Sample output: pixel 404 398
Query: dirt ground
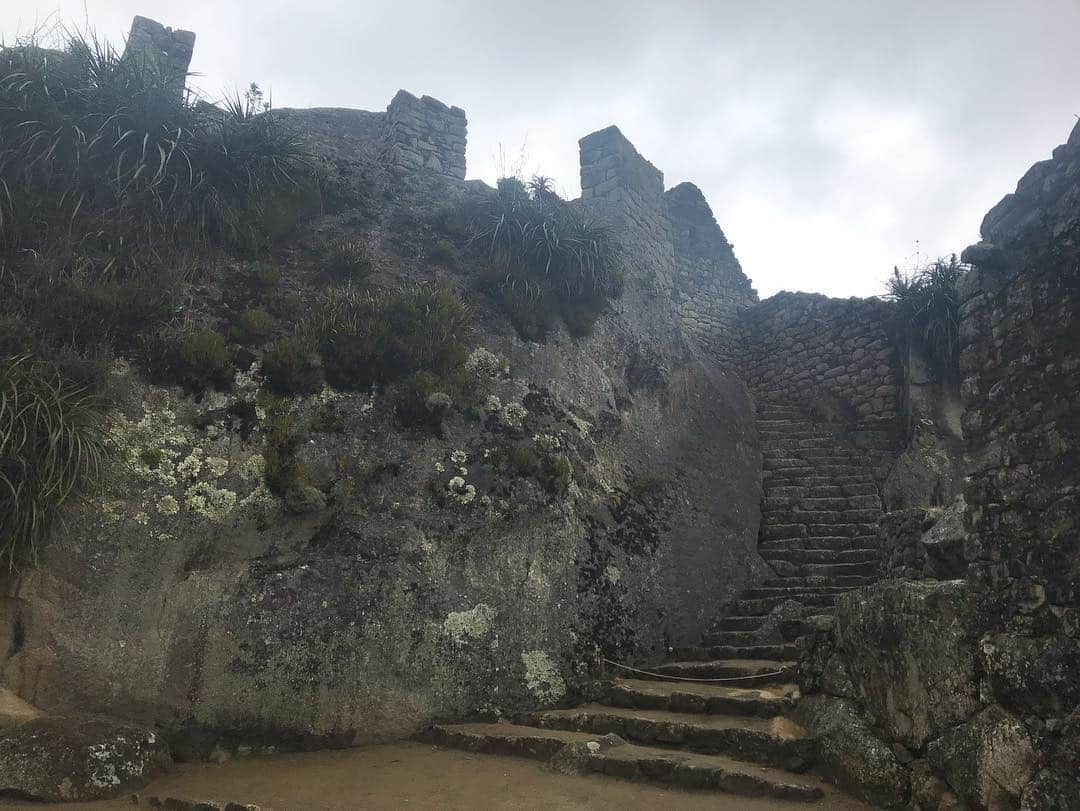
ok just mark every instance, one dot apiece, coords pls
pixel 414 775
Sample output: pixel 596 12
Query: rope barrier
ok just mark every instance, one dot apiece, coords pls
pixel 783 672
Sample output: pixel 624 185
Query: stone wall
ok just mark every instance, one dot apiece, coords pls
pixel 170 49
pixel 1020 358
pixel 620 185
pixel 424 133
pixel 710 287
pixel 966 667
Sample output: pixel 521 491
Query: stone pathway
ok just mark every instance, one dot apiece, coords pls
pixel 819 522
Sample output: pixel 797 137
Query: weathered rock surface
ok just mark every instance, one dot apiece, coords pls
pixel 910 648
pixel 987 761
pixel 57 759
pixel 851 753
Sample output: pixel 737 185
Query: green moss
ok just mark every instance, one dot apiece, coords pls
pixel 562 474
pixel 444 252
pixel 197 360
pixel 291 367
pixel 266 276
pixel 151 457
pixel 524 461
pixel 415 401
pixel 283 471
pixel 254 325
pixel 369 339
pixel 350 262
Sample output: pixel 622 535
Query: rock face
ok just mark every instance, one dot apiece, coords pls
pixel 76 759
pixel 852 754
pixel 192 597
pixel 911 650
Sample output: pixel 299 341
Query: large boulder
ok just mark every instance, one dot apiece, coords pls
pixel 911 650
pixel 64 759
pixel 851 753
pixel 987 761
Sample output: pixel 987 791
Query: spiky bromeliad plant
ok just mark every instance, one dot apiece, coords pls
pixel 547 257
pixel 52 442
pixel 928 306
pixel 105 146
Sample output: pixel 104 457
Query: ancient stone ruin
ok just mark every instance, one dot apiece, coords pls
pixel 754 547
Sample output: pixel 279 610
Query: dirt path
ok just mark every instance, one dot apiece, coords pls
pixel 413 775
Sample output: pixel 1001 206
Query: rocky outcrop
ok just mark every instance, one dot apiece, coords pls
pixel 68 759
pixel 850 752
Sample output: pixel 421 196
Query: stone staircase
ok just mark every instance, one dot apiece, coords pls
pixel 819 521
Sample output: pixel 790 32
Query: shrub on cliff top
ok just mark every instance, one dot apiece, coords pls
pixel 928 306
pixel 545 252
pixel 92 140
pixel 52 442
pixel 375 338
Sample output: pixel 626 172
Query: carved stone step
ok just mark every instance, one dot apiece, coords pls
pixel 762 702
pixel 672 767
pixel 754 650
pixel 763 605
pixel 774 741
pixel 822 555
pixel 838 542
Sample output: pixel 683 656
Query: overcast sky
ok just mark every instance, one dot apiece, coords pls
pixel 831 137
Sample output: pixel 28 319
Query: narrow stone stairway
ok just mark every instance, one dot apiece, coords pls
pixel 672 724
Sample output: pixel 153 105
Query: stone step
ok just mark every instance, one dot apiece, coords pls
pixel 761 702
pixel 803 516
pixel 854 581
pixel 833 530
pixel 815 480
pixel 773 481
pixel 721 638
pixel 794 592
pixel 840 455
pixel 630 761
pixel 740 672
pixel 822 542
pixel 871 569
pixel 763 605
pixel 788 500
pixel 794 468
pixel 821 555
pixel 776 741
pixel 729 623
pixel 751 650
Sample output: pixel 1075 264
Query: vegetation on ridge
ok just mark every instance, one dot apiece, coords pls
pixel 929 310
pixel 547 259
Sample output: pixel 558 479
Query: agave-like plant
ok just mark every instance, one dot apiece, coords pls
pixel 547 249
pixel 928 306
pixel 52 443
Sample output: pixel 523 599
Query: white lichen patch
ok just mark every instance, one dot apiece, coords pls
pixel 513 416
pixel 461 492
pixel 168 505
pixel 252 468
pixel 612 574
pixel 492 405
pixel 217 466
pixel 542 678
pixel 486 365
pixel 141 518
pixel 582 426
pixel 210 502
pixel 459 457
pixel 547 442
pixel 191 466
pixel 476 623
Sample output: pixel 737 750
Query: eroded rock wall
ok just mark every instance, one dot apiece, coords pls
pixel 191 596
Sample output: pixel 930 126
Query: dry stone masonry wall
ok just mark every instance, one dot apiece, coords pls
pixel 170 49
pixel 618 183
pixel 424 133
pixel 710 287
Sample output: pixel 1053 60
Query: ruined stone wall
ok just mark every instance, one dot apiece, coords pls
pixel 710 287
pixel 424 133
pixel 1020 358
pixel 964 670
pixel 170 49
pixel 620 185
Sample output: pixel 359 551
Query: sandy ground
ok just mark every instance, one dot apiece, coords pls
pixel 414 775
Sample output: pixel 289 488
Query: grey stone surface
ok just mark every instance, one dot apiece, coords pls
pixel 66 759
pixel 852 754
pixel 910 648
